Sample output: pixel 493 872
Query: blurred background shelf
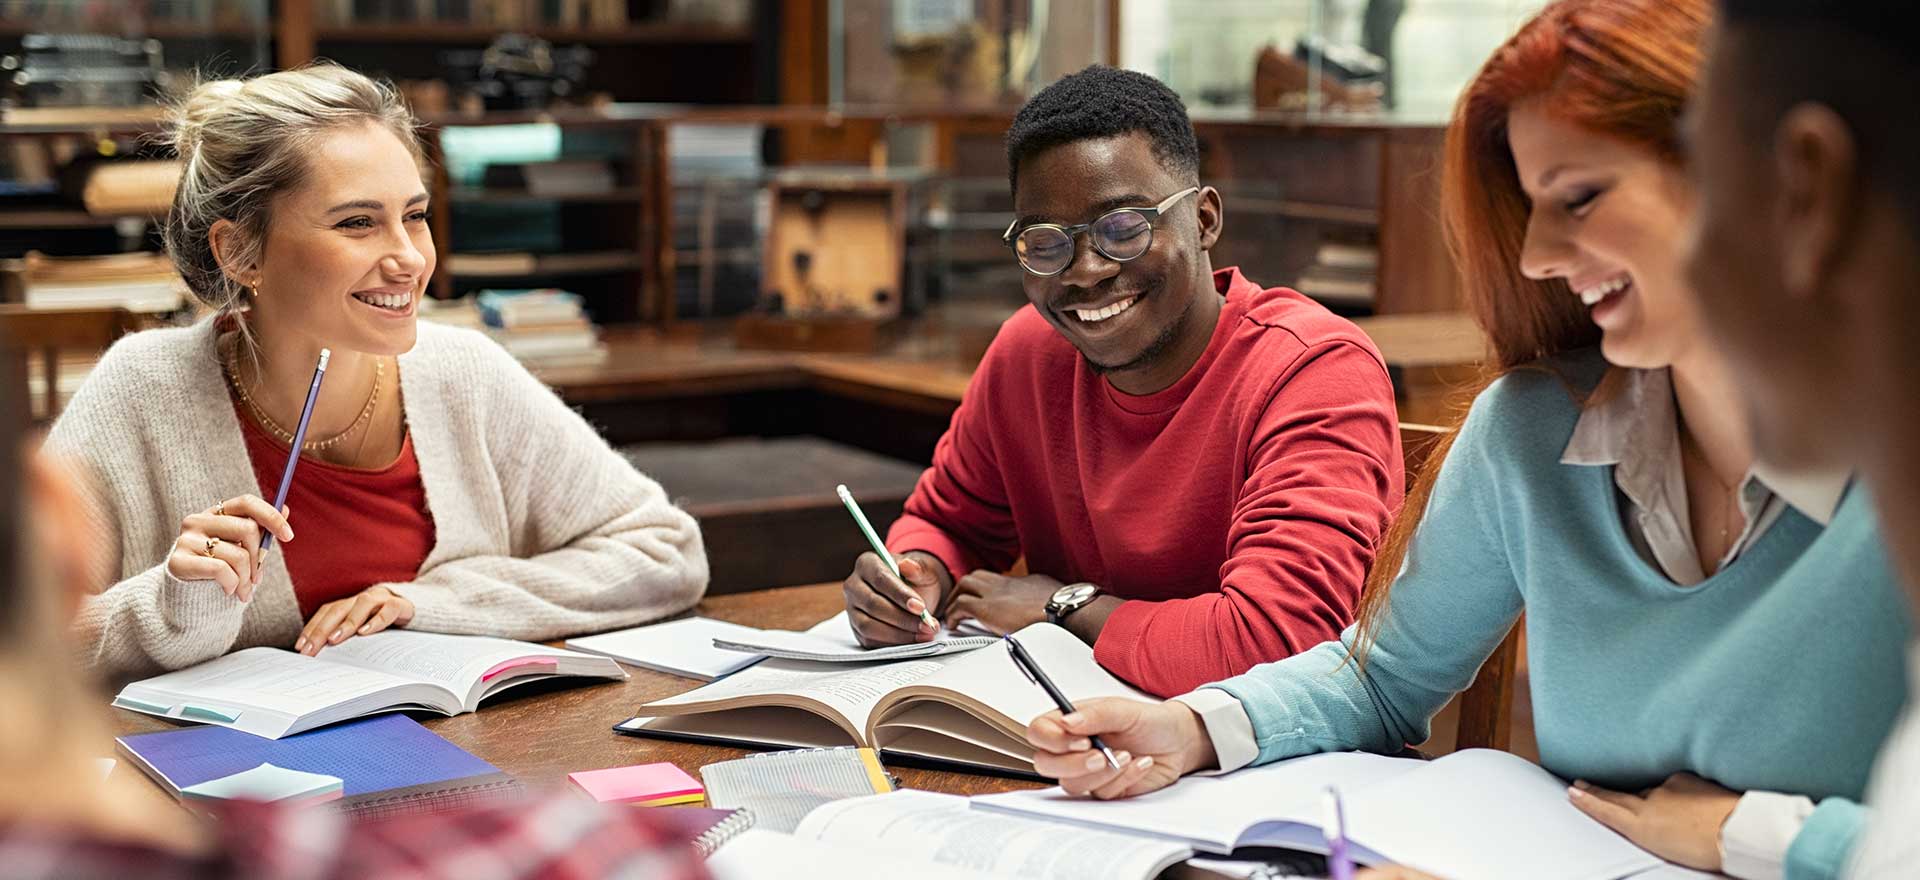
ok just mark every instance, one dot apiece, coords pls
pixel 458 32
pixel 621 195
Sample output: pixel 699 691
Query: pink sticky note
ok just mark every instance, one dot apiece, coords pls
pixel 641 782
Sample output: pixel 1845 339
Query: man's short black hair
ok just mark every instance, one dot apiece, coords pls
pixel 1104 102
pixel 1858 57
pixel 1888 22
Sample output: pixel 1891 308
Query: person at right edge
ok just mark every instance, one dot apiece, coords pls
pixel 1804 149
pixel 1715 648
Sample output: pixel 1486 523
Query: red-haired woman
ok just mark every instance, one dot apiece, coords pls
pixel 1689 618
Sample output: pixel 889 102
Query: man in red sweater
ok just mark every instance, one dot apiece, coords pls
pixel 1203 463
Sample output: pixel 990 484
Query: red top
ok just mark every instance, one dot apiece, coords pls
pixel 1238 508
pixel 352 528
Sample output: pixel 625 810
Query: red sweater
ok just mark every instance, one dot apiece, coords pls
pixel 352 528
pixel 1237 510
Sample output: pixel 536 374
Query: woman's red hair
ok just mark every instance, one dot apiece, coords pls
pixel 1621 69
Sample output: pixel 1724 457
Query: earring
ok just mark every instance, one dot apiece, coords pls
pixel 256 288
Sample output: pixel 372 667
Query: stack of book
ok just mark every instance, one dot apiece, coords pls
pixel 1342 275
pixel 545 327
pixel 137 282
pixel 719 217
pixel 452 312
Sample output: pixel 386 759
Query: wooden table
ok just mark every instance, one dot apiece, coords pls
pixel 646 363
pixel 927 371
pixel 920 372
pixel 540 733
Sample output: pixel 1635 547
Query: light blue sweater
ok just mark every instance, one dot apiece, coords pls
pixel 1782 672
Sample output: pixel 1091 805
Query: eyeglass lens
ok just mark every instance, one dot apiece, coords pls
pixel 1120 235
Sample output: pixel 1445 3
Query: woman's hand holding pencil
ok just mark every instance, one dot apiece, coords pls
pixel 222 544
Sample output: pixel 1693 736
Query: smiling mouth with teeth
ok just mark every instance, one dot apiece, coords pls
pixel 1095 316
pixel 392 302
pixel 1598 292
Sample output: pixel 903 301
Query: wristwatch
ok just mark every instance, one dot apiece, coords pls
pixel 1069 599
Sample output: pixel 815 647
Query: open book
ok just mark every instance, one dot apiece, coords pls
pixel 270 692
pixel 969 709
pixel 921 834
pixel 1477 813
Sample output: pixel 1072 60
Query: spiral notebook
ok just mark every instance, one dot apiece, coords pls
pixel 781 788
pixel 387 764
pixel 709 829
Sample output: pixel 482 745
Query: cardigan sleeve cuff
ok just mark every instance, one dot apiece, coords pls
pixel 436 608
pixel 188 604
pixel 1227 726
pixel 1820 850
pixel 1755 839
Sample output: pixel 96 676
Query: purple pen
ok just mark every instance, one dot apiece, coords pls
pixel 299 440
pixel 1333 827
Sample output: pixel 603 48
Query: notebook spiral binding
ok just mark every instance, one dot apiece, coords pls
pixel 417 802
pixel 727 829
pixel 788 753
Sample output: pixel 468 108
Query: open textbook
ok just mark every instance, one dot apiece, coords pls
pixel 1478 813
pixel 924 835
pixel 968 709
pixel 270 692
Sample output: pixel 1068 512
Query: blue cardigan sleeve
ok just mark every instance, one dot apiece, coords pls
pixel 1454 601
pixel 1820 850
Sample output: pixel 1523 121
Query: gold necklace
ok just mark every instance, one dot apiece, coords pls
pixel 284 435
pixel 1729 497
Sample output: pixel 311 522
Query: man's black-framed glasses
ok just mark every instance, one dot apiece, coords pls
pixel 1122 234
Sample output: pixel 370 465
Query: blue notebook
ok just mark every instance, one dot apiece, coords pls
pixel 386 764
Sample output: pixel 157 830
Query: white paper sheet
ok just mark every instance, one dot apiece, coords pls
pixel 942 828
pixel 678 647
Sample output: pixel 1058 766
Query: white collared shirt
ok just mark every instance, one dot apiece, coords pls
pixel 1636 432
pixel 1891 844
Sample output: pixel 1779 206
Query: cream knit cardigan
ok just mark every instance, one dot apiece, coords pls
pixel 541 529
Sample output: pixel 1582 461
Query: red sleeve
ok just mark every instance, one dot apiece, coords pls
pixel 1324 476
pixel 959 510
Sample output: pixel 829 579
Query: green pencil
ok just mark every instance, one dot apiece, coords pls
pixel 866 528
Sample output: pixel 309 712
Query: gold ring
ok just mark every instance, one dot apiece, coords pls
pixel 220 509
pixel 212 543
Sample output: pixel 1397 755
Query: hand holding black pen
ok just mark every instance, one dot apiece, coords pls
pixel 1034 674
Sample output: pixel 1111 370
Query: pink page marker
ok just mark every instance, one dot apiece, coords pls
pixel 544 664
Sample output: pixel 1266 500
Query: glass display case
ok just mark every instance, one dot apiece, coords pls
pixel 960 53
pixel 122 53
pixel 1410 57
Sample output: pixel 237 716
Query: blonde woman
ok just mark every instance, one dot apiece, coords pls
pixel 441 486
pixel 60 819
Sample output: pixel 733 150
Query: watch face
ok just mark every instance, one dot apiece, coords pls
pixel 1074 594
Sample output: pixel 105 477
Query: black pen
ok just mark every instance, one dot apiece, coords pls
pixel 1024 660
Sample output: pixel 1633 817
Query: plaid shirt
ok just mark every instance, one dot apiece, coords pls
pixel 553 838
